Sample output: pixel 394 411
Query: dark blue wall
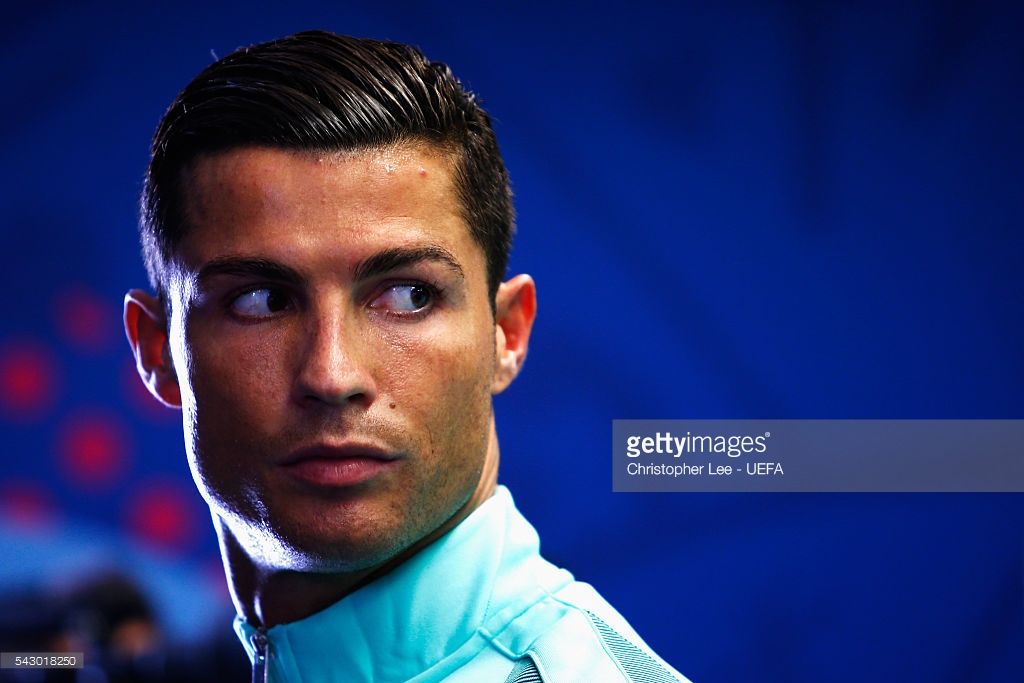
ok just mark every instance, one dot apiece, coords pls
pixel 732 210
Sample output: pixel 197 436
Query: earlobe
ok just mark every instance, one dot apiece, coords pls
pixel 515 311
pixel 146 327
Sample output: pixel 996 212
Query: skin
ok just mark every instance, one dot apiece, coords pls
pixel 323 351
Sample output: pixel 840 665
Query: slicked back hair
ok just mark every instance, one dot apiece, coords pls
pixel 321 92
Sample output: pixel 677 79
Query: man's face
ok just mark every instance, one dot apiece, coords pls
pixel 335 350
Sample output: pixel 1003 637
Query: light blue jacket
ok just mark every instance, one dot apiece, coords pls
pixel 479 605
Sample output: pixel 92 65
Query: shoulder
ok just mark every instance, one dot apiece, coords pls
pixel 575 635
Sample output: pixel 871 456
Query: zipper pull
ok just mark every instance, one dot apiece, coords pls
pixel 260 643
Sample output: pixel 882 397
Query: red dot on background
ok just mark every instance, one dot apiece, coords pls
pixel 27 504
pixel 163 515
pixel 28 379
pixel 93 450
pixel 86 320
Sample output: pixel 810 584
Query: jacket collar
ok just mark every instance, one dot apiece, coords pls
pixel 468 582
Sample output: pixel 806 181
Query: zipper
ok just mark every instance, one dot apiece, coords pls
pixel 261 645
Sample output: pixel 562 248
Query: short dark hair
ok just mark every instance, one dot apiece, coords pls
pixel 319 91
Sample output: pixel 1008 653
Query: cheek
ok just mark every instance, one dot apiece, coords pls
pixel 233 380
pixel 236 364
pixel 439 365
pixel 442 380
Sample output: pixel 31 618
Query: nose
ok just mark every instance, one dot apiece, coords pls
pixel 332 357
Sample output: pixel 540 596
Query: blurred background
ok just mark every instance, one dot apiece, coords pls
pixel 732 210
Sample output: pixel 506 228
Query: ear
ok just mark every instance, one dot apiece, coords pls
pixel 146 326
pixel 515 310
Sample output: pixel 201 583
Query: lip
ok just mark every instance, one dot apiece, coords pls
pixel 338 465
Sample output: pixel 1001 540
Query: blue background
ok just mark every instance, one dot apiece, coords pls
pixel 732 210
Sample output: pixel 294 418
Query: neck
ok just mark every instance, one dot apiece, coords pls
pixel 267 596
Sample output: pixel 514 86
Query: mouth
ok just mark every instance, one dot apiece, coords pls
pixel 338 466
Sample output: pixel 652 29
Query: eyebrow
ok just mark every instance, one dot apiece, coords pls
pixel 249 267
pixel 400 257
pixel 379 264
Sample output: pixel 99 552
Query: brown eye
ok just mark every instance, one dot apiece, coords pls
pixel 404 298
pixel 260 303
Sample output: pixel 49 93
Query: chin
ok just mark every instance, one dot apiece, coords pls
pixel 347 547
pixel 282 550
pixel 333 562
pixel 331 534
pixel 341 553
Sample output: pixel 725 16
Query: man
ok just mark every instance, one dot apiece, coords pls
pixel 326 224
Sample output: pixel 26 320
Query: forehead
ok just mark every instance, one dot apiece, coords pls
pixel 293 204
